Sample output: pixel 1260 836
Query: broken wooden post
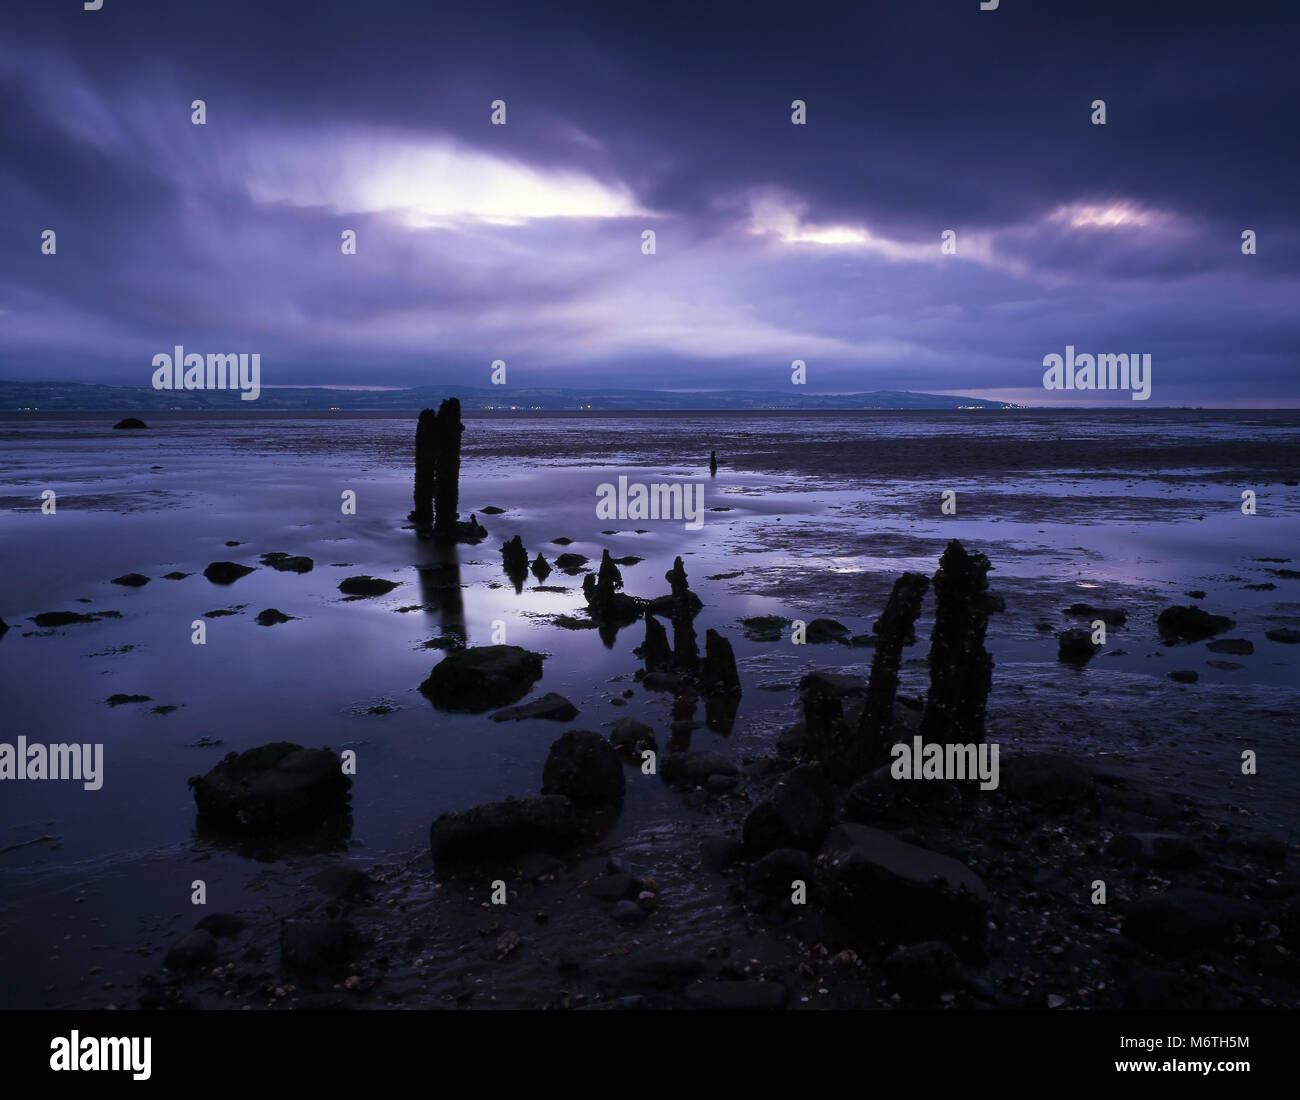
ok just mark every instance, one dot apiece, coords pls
pixel 961 669
pixel 426 463
pixel 447 429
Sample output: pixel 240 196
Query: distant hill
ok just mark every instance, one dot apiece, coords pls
pixel 78 397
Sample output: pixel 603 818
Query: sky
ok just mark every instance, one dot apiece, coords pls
pixel 773 242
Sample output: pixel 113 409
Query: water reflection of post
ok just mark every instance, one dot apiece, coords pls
pixel 440 588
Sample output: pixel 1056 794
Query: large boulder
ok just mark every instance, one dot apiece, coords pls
pixel 886 888
pixel 272 789
pixel 584 767
pixel 795 815
pixel 547 823
pixel 482 677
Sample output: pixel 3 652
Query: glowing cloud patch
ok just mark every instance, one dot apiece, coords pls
pixel 429 184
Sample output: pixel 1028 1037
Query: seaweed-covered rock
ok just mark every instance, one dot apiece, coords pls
pixel 546 823
pixel 631 737
pixel 481 677
pixel 551 706
pixel 272 616
pixel 226 572
pixel 288 563
pixel 822 631
pixel 1074 647
pixel 277 787
pixel 1190 624
pixel 366 586
pixel 585 768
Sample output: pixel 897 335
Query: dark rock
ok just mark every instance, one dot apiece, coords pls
pixel 795 815
pixel 1111 616
pixel 1074 647
pixel 547 823
pixel 919 972
pixel 342 881
pixel 271 616
pixel 1190 624
pixel 481 677
pixel 631 737
pixel 221 924
pixel 175 575
pixel 1283 634
pixel 736 996
pixel 692 769
pixel 553 707
pixel 765 628
pixel 1046 779
pixel 366 586
pixel 584 767
pixel 191 952
pixel 129 424
pixel 541 569
pixel 288 563
pixel 131 580
pixel 317 947
pixel 570 563
pixel 1185 920
pixel 880 799
pixel 226 572
pixel 118 698
pixel 776 872
pixel 821 631
pixel 63 618
pixel 1184 676
pixel 721 784
pixel 628 912
pixel 887 888
pixel 276 787
pixel 1238 647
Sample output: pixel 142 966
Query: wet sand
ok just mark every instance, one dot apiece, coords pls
pixel 822 513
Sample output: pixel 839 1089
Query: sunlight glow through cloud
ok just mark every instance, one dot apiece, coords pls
pixel 430 184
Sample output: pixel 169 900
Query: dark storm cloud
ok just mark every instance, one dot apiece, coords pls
pixel 775 242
